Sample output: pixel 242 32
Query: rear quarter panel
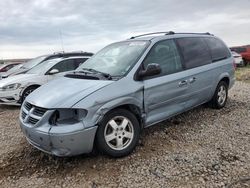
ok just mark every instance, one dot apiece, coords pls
pixel 223 69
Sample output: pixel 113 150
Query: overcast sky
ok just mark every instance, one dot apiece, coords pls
pixel 29 28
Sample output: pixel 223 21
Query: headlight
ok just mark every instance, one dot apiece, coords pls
pixel 67 116
pixel 10 87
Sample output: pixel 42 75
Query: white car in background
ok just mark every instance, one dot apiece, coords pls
pixel 25 67
pixel 15 89
pixel 238 59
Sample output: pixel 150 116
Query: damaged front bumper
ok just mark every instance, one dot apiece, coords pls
pixel 66 140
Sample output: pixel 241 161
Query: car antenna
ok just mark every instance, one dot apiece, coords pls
pixel 61 38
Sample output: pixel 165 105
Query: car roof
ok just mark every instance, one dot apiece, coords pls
pixel 68 54
pixel 65 55
pixel 6 65
pixel 65 58
pixel 235 53
pixel 10 63
pixel 73 57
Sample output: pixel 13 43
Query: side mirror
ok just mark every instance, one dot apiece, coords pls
pixel 53 71
pixel 151 70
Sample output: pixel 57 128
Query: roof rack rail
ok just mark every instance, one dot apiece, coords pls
pixel 155 33
pixel 59 52
pixel 207 33
pixel 168 33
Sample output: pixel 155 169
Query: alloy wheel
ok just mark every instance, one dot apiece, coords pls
pixel 222 95
pixel 119 133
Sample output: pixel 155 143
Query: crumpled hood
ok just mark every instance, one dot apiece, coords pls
pixel 64 92
pixel 21 78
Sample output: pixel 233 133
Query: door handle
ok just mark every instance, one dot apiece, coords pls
pixel 183 83
pixel 192 80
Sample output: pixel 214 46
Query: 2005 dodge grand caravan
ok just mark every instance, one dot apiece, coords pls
pixel 125 87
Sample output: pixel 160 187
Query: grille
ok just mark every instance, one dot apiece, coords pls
pixel 23 115
pixel 27 106
pixel 32 114
pixel 39 111
pixel 32 120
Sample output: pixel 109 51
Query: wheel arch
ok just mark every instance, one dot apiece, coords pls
pixel 26 87
pixel 225 79
pixel 133 109
pixel 130 104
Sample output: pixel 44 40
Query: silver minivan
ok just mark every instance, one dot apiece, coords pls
pixel 124 88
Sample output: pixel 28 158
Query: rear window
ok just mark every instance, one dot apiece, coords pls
pixel 239 50
pixel 218 49
pixel 195 52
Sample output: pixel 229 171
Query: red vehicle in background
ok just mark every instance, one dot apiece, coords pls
pixel 244 51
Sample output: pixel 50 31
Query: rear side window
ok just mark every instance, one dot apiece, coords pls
pixel 218 49
pixel 69 65
pixel 195 52
pixel 165 54
pixel 66 65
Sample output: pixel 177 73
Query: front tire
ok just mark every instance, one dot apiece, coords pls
pixel 245 63
pixel 118 133
pixel 219 99
pixel 28 91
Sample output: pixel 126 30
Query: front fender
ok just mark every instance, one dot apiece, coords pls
pixel 98 110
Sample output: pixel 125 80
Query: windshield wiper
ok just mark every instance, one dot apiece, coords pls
pixel 106 75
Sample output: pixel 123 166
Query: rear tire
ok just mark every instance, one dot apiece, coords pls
pixel 118 133
pixel 219 99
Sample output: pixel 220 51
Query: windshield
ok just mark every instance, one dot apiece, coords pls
pixel 43 67
pixel 33 62
pixel 116 59
pixel 15 68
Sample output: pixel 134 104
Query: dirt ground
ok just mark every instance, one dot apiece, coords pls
pixel 200 148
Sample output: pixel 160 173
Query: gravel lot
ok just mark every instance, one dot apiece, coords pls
pixel 200 148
